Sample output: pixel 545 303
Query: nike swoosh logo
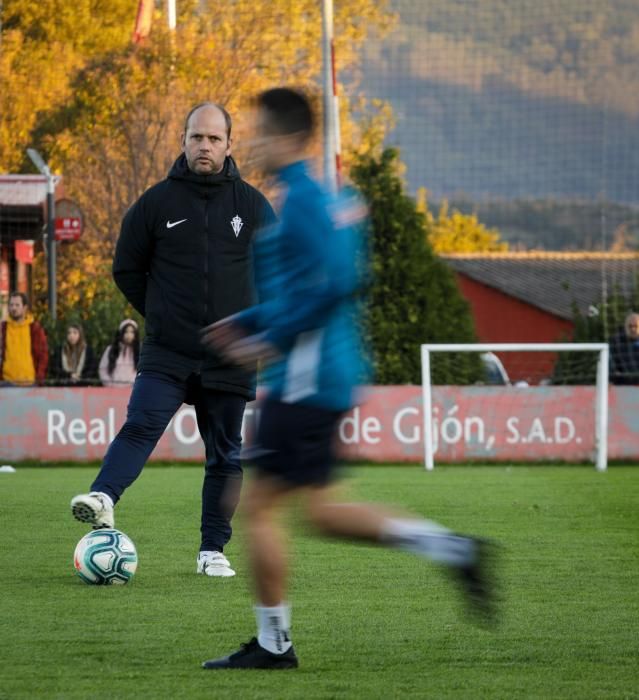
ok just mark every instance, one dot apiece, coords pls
pixel 171 224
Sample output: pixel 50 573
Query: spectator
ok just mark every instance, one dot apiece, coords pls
pixel 24 354
pixel 624 352
pixel 74 360
pixel 119 363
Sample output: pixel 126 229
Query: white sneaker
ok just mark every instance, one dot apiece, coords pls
pixel 214 564
pixel 95 508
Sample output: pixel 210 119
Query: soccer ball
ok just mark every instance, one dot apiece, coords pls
pixel 104 557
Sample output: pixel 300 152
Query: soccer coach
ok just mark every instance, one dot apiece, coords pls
pixel 184 260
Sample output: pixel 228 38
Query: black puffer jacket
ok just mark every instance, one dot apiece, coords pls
pixel 184 260
pixel 624 359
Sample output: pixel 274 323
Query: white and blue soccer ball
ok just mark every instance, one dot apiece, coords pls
pixel 105 557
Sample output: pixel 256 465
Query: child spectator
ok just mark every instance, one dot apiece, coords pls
pixel 119 363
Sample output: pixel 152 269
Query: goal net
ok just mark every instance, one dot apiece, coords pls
pixel 515 402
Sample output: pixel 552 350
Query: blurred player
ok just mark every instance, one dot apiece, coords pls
pixel 306 326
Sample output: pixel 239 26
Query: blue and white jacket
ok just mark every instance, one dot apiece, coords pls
pixel 310 267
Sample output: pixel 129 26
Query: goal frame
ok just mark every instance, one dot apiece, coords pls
pixel 601 395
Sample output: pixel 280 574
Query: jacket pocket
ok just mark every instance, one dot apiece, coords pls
pixel 155 307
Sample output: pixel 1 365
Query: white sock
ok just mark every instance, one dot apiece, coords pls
pixel 106 497
pixel 273 626
pixel 207 552
pixel 429 539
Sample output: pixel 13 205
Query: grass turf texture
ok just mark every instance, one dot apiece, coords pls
pixel 367 622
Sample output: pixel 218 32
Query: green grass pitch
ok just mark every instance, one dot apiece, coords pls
pixel 367 622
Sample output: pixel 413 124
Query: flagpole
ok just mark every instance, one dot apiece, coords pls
pixel 171 14
pixel 331 136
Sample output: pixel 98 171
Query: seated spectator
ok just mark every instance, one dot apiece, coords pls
pixel 119 363
pixel 624 352
pixel 74 361
pixel 24 353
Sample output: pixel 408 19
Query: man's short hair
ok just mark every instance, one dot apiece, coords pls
pixel 629 318
pixel 22 295
pixel 225 114
pixel 289 110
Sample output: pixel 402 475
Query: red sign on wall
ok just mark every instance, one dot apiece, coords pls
pixel 68 228
pixel 470 424
pixel 69 222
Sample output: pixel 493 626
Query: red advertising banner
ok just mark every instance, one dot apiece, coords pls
pixel 474 424
pixel 504 424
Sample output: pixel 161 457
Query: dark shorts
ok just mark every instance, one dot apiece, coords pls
pixel 295 443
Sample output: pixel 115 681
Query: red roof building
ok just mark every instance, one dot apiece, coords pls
pixel 530 297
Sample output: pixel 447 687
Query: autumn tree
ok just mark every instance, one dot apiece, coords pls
pixel 110 115
pixel 455 232
pixel 43 44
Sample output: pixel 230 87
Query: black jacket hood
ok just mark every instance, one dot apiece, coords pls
pixel 181 171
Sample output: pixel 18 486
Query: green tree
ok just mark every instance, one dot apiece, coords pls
pixel 413 298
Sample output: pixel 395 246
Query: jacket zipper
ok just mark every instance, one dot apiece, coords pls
pixel 206 262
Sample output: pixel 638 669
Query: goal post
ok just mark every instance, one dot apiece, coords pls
pixel 584 392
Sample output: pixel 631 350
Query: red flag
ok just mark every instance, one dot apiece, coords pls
pixel 143 21
pixel 24 252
